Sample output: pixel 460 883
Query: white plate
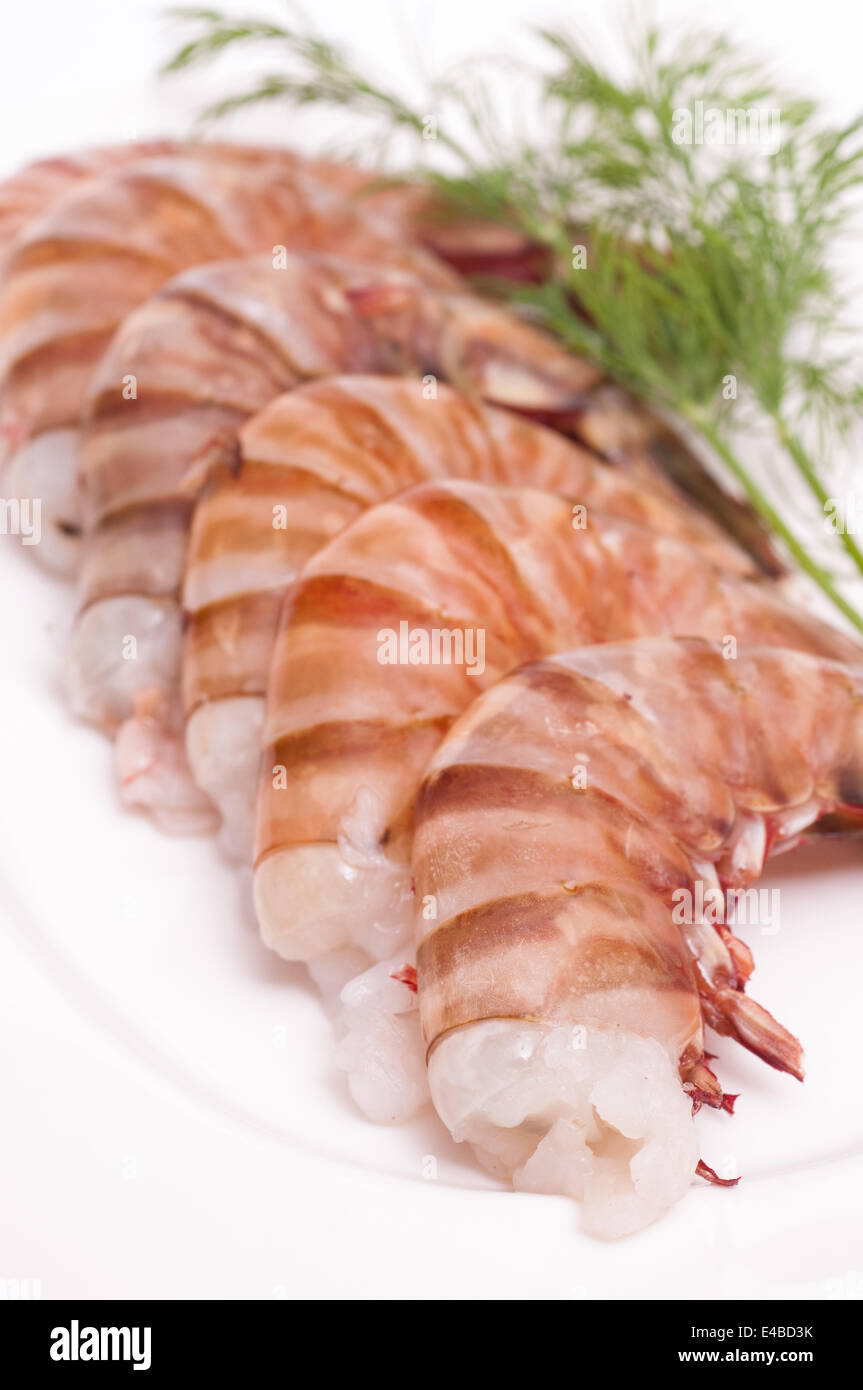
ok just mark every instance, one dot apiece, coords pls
pixel 171 1121
pixel 174 1125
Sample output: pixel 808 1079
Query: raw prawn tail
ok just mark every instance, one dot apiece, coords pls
pixel 560 902
pixel 734 1014
pixel 153 773
pixel 126 646
pixel 703 1087
pixel 703 1170
pixel 38 471
pixel 723 965
pixel 380 1045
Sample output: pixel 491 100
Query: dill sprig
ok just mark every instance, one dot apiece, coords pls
pixel 315 72
pixel 706 264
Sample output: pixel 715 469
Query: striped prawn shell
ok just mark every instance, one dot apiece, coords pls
pixel 315 459
pixel 75 273
pixel 472 559
pixel 210 349
pixel 215 345
pixel 61 307
pixel 471 246
pixel 220 341
pixel 28 193
pixel 545 897
pixel 507 361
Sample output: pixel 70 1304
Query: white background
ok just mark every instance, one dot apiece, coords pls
pixel 75 73
pixel 171 1125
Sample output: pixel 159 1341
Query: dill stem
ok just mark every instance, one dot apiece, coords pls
pixel 758 499
pixel 793 446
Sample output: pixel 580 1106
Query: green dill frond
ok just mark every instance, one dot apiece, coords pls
pixel 706 262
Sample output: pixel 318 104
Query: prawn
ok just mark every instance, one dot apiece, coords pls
pixel 105 243
pixel 563 986
pixel 210 348
pixel 73 275
pixel 389 633
pixel 310 464
pixel 28 193
pixel 207 351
